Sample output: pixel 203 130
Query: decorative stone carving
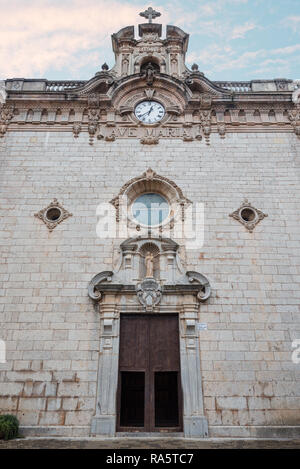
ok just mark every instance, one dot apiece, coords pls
pixel 125 64
pixel 93 100
pixel 296 96
pixel 205 122
pixel 94 115
pixel 127 278
pixel 76 129
pixel 149 92
pixel 124 291
pixel 147 182
pixel 281 84
pixel 205 101
pixel 110 138
pixel 248 215
pixel 149 140
pixel 6 114
pixel 294 117
pixel 174 64
pixel 149 74
pixel 149 293
pixel 103 276
pixel 222 130
pixel 205 289
pixel 53 214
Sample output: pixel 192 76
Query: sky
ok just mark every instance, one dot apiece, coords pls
pixel 71 39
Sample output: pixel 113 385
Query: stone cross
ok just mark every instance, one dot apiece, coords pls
pixel 150 14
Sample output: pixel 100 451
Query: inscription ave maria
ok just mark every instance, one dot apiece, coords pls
pixel 187 133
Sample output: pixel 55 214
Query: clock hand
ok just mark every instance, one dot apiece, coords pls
pixel 145 113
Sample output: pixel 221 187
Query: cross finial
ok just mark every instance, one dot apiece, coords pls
pixel 150 14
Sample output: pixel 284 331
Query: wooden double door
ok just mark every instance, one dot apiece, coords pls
pixel 149 387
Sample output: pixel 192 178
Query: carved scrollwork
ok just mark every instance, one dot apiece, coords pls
pixel 204 286
pixel 95 294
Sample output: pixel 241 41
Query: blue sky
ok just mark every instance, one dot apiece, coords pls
pixel 229 39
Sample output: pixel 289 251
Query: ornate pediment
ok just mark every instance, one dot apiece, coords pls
pixel 148 270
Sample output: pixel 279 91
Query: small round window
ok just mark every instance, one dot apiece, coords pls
pixel 248 214
pixel 150 209
pixel 53 214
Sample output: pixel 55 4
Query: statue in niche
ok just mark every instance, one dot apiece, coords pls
pixel 149 74
pixel 174 64
pixel 125 64
pixel 149 264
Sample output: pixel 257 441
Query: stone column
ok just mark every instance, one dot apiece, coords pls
pixel 194 422
pixel 104 422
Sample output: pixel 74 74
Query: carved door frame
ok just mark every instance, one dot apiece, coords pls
pixel 105 420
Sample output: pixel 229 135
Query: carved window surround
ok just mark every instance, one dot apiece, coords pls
pixel 53 214
pixel 248 215
pixel 150 182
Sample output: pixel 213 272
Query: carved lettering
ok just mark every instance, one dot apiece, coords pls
pixel 132 132
pixel 150 132
pixel 123 131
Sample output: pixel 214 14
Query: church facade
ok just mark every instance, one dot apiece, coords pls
pixel 150 272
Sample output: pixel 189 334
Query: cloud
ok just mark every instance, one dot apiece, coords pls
pixel 70 39
pixel 221 58
pixel 38 36
pixel 241 30
pixel 286 50
pixel 292 22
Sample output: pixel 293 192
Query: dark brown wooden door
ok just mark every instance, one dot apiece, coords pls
pixel 149 389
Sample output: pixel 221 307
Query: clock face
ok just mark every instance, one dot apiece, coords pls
pixel 149 112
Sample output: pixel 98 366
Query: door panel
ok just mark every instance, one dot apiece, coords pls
pixel 134 340
pixel 166 399
pixel 132 399
pixel 164 343
pixel 149 373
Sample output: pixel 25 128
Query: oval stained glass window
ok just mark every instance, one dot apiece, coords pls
pixel 150 209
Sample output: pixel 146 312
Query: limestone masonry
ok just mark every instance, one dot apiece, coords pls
pixel 227 154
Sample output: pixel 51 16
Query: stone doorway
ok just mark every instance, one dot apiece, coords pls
pixel 149 382
pixel 173 297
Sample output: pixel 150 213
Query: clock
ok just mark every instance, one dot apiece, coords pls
pixel 149 112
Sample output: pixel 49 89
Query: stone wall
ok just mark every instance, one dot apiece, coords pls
pixel 51 327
